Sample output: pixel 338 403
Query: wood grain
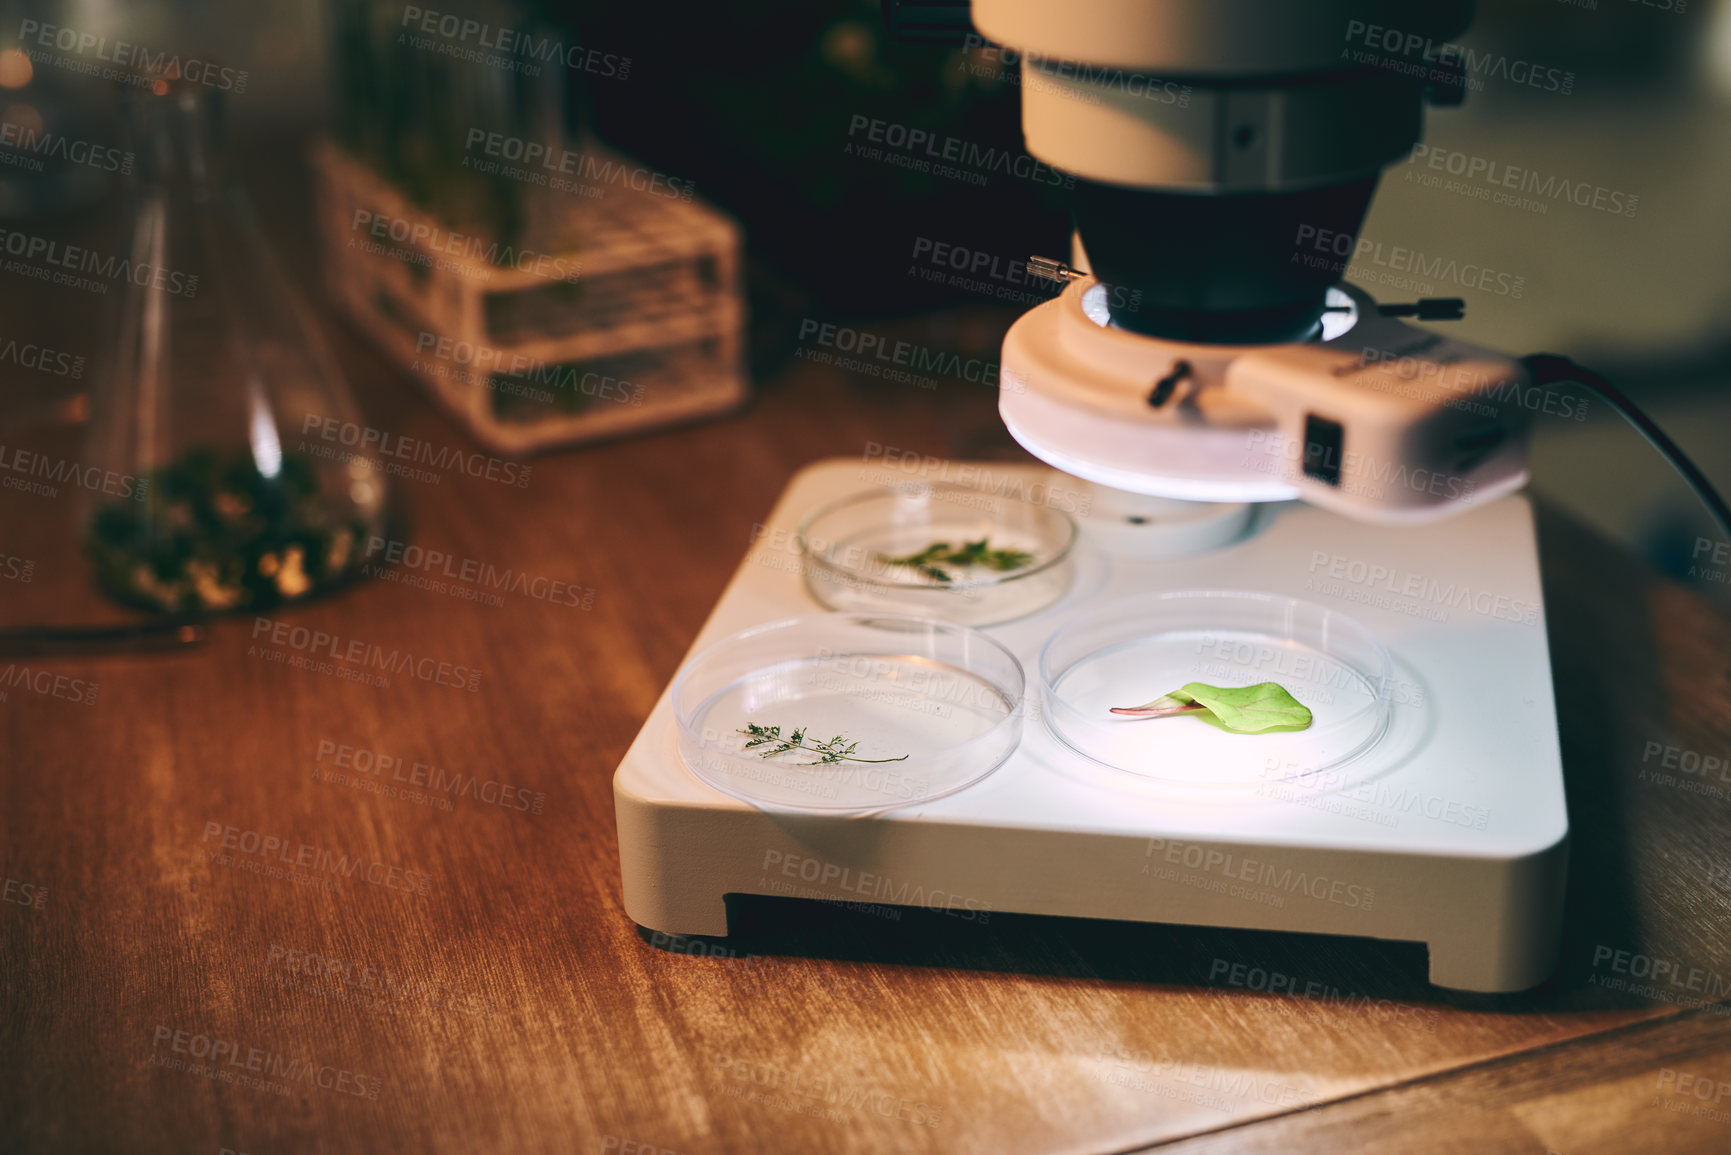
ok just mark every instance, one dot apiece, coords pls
pixel 514 1007
pixel 1661 1086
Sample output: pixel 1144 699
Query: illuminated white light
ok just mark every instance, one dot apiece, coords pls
pixel 266 447
pixel 1335 324
pixel 1716 46
pixel 1147 483
pixel 1094 305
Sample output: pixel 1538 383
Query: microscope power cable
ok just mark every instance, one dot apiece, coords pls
pixel 1546 369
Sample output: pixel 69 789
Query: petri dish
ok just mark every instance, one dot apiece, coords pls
pixel 1131 651
pixel 848 547
pixel 1136 525
pixel 848 711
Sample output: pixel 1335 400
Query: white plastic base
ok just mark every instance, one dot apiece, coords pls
pixel 1452 832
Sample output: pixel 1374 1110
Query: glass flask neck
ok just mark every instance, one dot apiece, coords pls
pixel 177 139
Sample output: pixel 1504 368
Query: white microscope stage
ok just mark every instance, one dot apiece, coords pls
pixel 1452 831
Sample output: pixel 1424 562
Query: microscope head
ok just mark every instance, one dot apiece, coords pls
pixel 1212 355
pixel 1204 134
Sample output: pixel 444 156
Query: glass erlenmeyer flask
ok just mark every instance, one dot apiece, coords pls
pixel 215 373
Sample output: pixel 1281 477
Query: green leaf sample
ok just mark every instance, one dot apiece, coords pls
pixel 1241 709
pixel 931 560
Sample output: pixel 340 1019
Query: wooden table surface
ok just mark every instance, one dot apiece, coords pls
pixel 488 993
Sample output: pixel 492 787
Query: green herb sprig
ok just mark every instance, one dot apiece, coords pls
pixel 931 560
pixel 837 749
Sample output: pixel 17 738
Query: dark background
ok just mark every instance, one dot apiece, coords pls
pixel 752 103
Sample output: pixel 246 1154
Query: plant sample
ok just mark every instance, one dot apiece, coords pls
pixel 1241 709
pixel 837 749
pixel 931 560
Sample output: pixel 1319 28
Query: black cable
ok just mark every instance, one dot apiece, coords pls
pixel 1549 369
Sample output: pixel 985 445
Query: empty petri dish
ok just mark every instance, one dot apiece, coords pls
pixel 1128 652
pixel 936 550
pixel 848 711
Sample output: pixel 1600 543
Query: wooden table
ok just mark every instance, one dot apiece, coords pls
pixel 484 990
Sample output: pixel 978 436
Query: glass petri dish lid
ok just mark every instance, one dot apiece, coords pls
pixel 916 548
pixel 848 711
pixel 1133 650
